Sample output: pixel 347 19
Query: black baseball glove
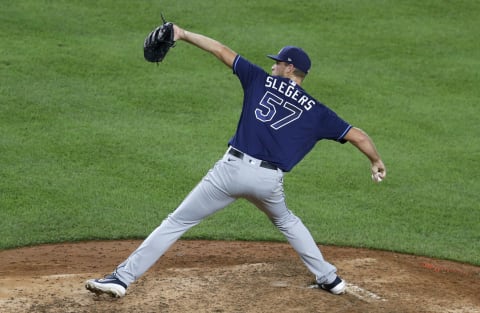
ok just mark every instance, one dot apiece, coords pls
pixel 158 42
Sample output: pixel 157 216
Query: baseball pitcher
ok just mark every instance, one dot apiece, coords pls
pixel 280 123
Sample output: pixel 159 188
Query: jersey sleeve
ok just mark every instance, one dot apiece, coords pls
pixel 246 71
pixel 332 126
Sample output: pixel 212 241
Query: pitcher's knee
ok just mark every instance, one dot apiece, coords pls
pixel 177 221
pixel 287 223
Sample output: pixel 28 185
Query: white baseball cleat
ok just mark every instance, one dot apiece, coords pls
pixel 337 287
pixel 110 285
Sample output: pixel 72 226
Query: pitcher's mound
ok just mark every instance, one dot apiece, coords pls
pixel 217 276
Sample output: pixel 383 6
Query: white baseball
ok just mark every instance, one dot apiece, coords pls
pixel 377 177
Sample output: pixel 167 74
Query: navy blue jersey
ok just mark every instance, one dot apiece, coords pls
pixel 280 122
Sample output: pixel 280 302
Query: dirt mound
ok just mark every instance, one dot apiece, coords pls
pixel 216 276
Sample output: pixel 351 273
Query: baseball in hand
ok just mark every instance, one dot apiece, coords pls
pixel 377 177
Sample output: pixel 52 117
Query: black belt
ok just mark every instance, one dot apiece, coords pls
pixel 263 164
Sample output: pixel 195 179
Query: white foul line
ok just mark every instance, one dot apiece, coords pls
pixel 363 294
pixel 358 292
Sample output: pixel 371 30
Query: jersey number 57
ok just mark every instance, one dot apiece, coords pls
pixel 268 111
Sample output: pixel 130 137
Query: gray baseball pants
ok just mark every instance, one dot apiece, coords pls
pixel 231 178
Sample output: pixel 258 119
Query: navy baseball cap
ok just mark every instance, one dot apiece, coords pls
pixel 295 56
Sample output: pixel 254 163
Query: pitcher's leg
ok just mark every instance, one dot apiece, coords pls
pixel 271 200
pixel 204 200
pixel 302 241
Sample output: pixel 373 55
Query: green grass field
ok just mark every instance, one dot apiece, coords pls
pixel 96 143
